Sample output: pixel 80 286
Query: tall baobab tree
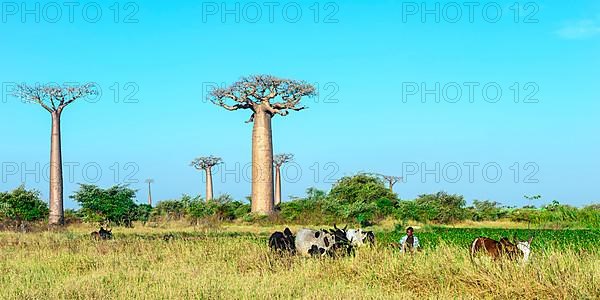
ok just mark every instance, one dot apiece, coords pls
pixel 206 163
pixel 54 99
pixel 391 180
pixel 266 96
pixel 149 181
pixel 278 161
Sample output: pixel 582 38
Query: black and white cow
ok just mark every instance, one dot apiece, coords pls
pixel 311 242
pixel 282 241
pixel 341 245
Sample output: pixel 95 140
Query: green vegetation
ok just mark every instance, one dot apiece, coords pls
pixel 20 206
pixel 361 199
pixel 114 205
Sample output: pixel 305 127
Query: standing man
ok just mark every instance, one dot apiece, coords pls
pixel 409 242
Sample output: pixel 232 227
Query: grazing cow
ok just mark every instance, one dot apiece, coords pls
pixel 502 248
pixel 102 234
pixel 310 242
pixel 359 237
pixel 342 245
pixel 282 241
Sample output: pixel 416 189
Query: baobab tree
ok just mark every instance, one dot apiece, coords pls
pixel 391 180
pixel 206 163
pixel 54 99
pixel 278 161
pixel 149 181
pixel 266 96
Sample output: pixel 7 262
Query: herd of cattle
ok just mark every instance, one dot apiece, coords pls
pixel 324 242
pixel 343 241
pixel 336 242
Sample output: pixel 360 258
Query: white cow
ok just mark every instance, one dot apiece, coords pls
pixel 311 242
pixel 359 237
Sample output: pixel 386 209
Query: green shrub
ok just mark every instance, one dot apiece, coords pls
pixel 22 205
pixel 114 205
pixel 441 207
pixel 487 211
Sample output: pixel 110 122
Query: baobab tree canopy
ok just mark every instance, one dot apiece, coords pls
pixel 391 179
pixel 276 95
pixel 280 159
pixel 206 162
pixel 53 98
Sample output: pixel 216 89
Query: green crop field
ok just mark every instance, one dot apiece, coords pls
pixel 573 239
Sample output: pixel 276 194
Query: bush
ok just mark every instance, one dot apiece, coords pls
pixel 143 213
pixel 173 209
pixel 360 188
pixel 487 211
pixel 359 198
pixel 22 205
pixel 440 207
pixel 114 205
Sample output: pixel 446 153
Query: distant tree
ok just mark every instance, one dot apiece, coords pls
pixel 54 100
pixel 441 207
pixel 360 188
pixel 206 163
pixel 22 205
pixel 487 210
pixel 356 198
pixel 531 199
pixel 143 213
pixel 114 205
pixel 259 93
pixel 278 161
pixel 170 209
pixel 391 180
pixel 149 181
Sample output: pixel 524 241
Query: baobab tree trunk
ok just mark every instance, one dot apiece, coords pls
pixel 277 186
pixel 149 194
pixel 262 162
pixel 209 185
pixel 391 187
pixel 56 177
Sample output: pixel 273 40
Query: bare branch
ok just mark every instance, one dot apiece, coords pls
pixel 205 162
pixel 280 159
pixel 251 118
pixel 391 179
pixel 52 98
pixel 252 91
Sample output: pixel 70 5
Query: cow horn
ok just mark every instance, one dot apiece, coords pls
pixel 345 227
pixel 530 239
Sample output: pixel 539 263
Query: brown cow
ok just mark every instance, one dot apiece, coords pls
pixel 502 248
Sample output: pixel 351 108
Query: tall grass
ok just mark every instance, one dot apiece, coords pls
pixel 140 265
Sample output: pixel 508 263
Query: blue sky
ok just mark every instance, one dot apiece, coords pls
pixel 367 58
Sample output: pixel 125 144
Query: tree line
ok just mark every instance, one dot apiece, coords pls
pixel 362 199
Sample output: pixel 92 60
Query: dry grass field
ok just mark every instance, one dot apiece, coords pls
pixel 235 263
